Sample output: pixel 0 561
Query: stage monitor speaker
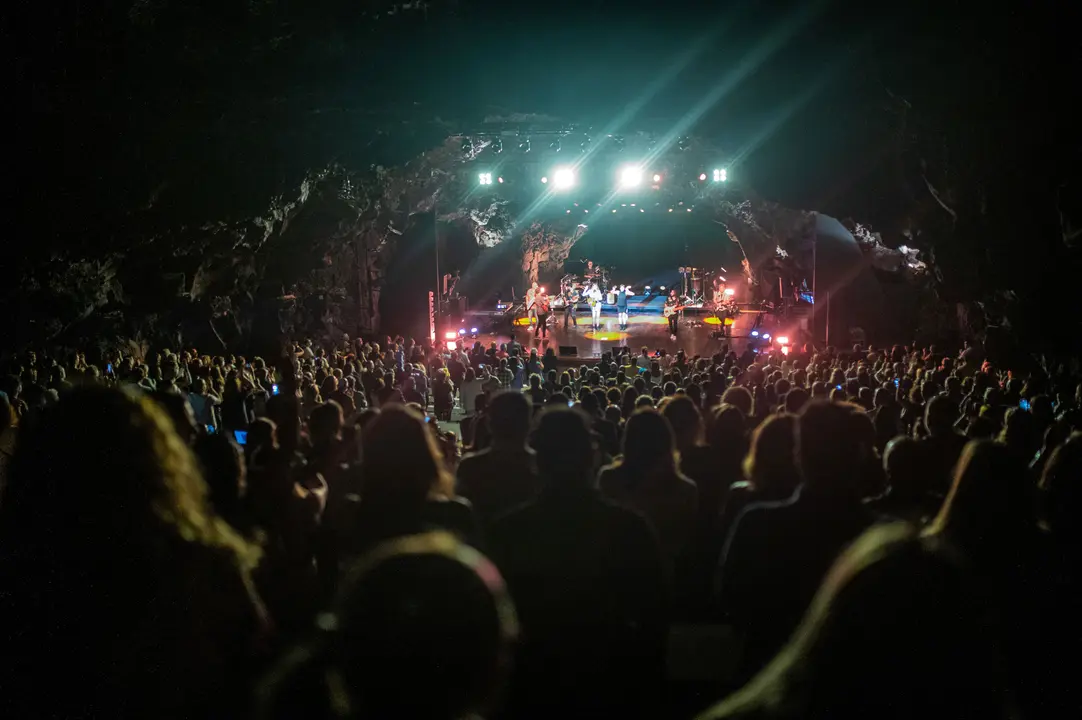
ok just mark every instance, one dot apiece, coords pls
pixel 569 351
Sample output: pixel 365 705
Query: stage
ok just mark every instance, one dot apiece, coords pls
pixel 646 327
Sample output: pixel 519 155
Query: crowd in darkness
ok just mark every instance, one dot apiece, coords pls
pixel 883 532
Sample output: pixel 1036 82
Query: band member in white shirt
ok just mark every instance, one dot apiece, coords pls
pixel 593 296
pixel 531 302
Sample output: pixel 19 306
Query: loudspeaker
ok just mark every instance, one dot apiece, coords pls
pixel 569 351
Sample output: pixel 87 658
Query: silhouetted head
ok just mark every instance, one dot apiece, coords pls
pixel 990 501
pixel 565 446
pixel 830 446
pixel 422 628
pixel 648 443
pixel 686 422
pixel 509 416
pixel 770 465
pixel 402 465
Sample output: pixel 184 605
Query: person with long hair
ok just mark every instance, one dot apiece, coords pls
pixel 119 586
pixel 990 515
pixel 406 487
pixel 646 478
pixel 894 632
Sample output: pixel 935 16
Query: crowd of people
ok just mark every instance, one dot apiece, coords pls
pixel 885 531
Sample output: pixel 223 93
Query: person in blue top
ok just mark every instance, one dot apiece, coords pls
pixel 621 305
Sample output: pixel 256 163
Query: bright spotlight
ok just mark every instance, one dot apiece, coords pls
pixel 755 333
pixel 702 176
pixel 783 340
pixel 499 180
pixel 785 350
pixel 452 345
pixel 766 336
pixel 462 331
pixel 730 291
pixel 662 287
pixel 485 178
pixel 657 178
pixel 544 180
pixel 631 176
pixel 721 175
pixel 542 290
pixel 450 335
pixel 563 178
pixel 473 331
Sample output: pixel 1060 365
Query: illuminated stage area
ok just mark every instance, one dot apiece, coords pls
pixel 697 335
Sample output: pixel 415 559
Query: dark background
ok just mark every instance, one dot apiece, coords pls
pixel 204 109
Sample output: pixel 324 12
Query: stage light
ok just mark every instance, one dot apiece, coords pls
pixel 462 331
pixel 563 178
pixel 729 291
pixel 473 331
pixel 721 175
pixel 485 178
pixel 452 345
pixel 544 179
pixel 568 212
pixel 785 350
pixel 657 178
pixel 783 340
pixel 766 336
pixel 702 176
pixel 670 209
pixel 630 176
pixel 647 288
pixel 542 290
pixel 689 209
pixel 450 335
pixel 903 249
pixel 642 210
pixel 497 145
pixel 663 288
pixel 755 333
pixel 500 180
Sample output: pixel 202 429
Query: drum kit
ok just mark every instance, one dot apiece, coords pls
pixel 591 275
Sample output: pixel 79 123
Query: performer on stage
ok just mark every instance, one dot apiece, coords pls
pixel 531 302
pixel 719 290
pixel 672 312
pixel 621 305
pixel 544 309
pixel 593 296
pixel 571 300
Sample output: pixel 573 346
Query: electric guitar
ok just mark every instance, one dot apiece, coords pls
pixel 670 310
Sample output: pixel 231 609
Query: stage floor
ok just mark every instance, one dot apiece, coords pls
pixel 650 330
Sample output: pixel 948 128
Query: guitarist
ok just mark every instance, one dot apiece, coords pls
pixel 572 300
pixel 531 302
pixel 671 312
